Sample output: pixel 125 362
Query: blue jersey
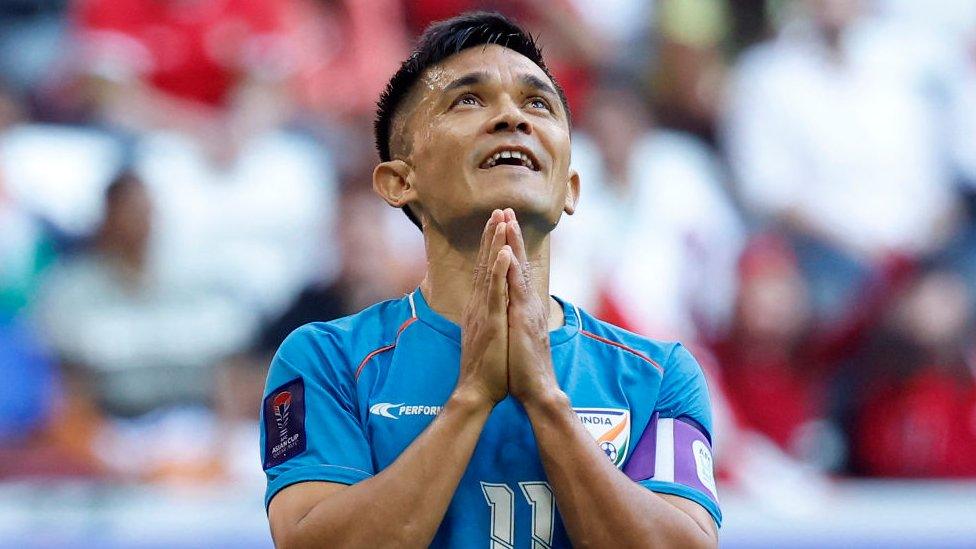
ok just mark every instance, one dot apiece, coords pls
pixel 345 398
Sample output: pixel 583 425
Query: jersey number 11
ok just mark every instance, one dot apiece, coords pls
pixel 501 499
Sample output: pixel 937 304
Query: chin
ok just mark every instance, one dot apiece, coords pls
pixel 532 207
pixel 517 196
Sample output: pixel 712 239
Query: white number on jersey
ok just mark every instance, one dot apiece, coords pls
pixel 501 499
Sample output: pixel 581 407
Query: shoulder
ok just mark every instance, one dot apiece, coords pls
pixel 656 352
pixel 342 342
pixel 683 391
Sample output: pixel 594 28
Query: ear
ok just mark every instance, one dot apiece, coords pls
pixel 572 192
pixel 391 180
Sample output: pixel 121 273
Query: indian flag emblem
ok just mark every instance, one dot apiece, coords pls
pixel 610 428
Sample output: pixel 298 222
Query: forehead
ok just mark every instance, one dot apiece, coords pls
pixel 497 62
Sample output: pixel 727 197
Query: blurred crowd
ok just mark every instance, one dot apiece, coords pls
pixel 787 186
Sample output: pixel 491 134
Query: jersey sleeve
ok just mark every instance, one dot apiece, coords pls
pixel 674 452
pixel 310 430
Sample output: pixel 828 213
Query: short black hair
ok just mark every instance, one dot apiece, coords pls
pixel 439 41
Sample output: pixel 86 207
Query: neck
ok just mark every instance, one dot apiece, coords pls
pixel 448 283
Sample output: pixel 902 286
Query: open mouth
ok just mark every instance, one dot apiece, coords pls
pixel 511 157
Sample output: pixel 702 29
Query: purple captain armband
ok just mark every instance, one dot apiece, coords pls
pixel 673 450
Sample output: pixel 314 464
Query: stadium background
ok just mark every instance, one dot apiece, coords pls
pixel 182 182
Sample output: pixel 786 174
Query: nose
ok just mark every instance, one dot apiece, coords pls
pixel 510 118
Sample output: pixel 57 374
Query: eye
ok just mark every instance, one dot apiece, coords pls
pixel 538 103
pixel 467 99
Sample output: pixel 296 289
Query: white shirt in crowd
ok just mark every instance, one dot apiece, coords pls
pixel 853 146
pixel 663 248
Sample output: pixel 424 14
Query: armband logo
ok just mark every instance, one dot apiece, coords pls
pixel 284 423
pixel 703 464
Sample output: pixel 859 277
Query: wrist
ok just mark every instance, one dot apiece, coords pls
pixel 471 400
pixel 546 400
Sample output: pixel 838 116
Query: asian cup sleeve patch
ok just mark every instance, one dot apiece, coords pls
pixel 673 450
pixel 284 423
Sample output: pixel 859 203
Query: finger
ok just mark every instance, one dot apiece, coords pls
pixel 495 246
pixel 486 236
pixel 481 264
pixel 497 283
pixel 509 214
pixel 517 243
pixel 497 241
pixel 517 285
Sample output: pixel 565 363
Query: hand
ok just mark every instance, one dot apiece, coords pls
pixel 530 372
pixel 484 322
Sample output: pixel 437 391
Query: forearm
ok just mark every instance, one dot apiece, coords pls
pixel 628 514
pixel 403 505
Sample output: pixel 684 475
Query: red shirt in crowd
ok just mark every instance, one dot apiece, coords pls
pixel 924 426
pixel 346 52
pixel 191 49
pixel 775 395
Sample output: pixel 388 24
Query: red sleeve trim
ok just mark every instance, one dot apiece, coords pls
pixel 641 355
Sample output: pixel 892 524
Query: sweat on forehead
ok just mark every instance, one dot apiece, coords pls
pixel 485 65
pixel 439 42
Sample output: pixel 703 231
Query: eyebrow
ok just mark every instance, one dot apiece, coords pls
pixel 469 79
pixel 534 81
pixel 474 78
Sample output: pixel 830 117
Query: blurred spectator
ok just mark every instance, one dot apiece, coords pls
pixel 133 343
pixel 239 200
pixel 773 371
pixel 346 51
pixel 249 233
pixel 657 195
pixel 914 385
pixel 381 257
pixel 214 70
pixel 832 135
pixel 943 33
pixel 688 72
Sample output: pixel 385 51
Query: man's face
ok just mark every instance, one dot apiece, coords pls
pixel 472 106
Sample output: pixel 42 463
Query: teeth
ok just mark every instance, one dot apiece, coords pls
pixel 493 160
